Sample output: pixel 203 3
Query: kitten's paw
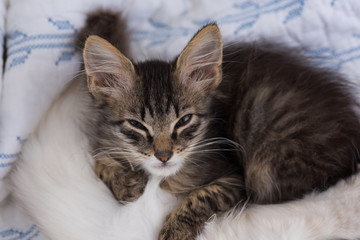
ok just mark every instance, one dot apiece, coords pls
pixel 126 185
pixel 173 229
pixel 129 186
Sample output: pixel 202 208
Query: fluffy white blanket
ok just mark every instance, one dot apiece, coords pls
pixel 57 185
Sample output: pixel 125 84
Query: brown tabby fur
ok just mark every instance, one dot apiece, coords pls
pixel 264 124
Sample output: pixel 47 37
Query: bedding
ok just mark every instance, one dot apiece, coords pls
pixel 42 59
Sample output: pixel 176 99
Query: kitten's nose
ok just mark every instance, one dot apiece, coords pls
pixel 163 156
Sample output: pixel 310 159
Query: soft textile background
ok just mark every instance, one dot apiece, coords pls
pixel 42 59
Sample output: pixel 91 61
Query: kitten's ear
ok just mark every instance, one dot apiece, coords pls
pixel 199 64
pixel 109 73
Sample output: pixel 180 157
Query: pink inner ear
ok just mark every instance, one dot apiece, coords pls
pixel 109 85
pixel 202 73
pixel 105 80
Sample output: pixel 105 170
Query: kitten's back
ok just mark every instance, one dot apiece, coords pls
pixel 297 123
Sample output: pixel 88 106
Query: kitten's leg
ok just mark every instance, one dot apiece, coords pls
pixel 187 220
pixel 264 185
pixel 126 184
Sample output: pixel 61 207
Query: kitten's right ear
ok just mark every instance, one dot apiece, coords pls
pixel 109 73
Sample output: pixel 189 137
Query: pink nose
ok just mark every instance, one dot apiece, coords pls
pixel 163 156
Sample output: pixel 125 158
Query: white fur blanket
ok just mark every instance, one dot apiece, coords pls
pixel 70 203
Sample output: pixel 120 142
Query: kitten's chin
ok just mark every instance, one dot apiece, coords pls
pixel 157 168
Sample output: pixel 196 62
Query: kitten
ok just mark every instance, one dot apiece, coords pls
pixel 154 122
pixel 219 125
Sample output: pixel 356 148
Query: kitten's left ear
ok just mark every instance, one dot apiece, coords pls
pixel 199 64
pixel 110 74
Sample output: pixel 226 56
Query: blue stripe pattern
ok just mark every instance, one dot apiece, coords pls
pixel 6 165
pixel 335 59
pixel 14 234
pixel 246 15
pixel 11 156
pixel 22 45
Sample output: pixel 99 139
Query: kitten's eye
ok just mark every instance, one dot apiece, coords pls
pixel 137 124
pixel 183 121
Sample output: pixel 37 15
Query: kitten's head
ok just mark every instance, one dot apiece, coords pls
pixel 154 113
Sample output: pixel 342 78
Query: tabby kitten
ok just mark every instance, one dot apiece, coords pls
pixel 296 125
pixel 152 120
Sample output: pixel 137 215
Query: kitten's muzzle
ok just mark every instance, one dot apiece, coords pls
pixel 163 156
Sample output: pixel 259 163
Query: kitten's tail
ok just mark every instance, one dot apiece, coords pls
pixel 109 25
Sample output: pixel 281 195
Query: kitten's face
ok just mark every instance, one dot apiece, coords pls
pixel 158 121
pixel 156 113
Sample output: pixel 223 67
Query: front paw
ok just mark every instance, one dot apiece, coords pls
pixel 178 228
pixel 126 184
pixel 129 186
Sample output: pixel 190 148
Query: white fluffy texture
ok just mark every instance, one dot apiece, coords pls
pixel 333 214
pixel 161 28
